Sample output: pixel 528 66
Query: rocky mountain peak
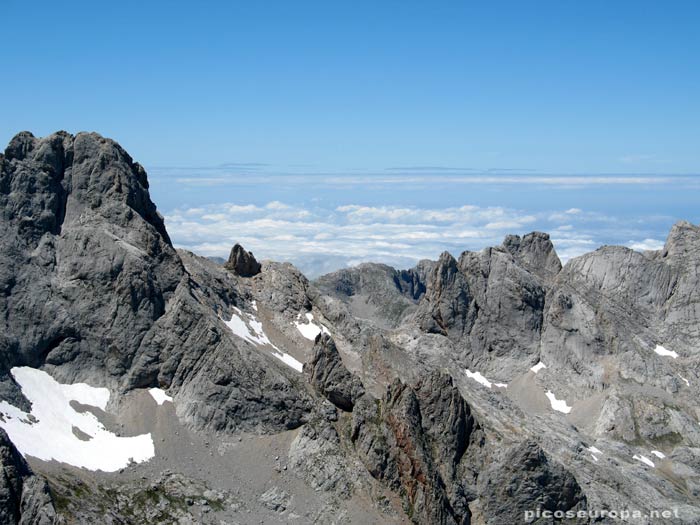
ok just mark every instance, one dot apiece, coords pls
pixel 20 146
pixel 535 252
pixel 683 239
pixel 443 273
pixel 242 262
pixel 61 177
pixel 84 248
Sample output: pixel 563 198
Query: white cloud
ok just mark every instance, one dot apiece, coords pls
pixel 318 239
pixel 321 240
pixel 646 244
pixel 514 224
pixel 569 243
pixel 235 209
pixel 382 178
pixel 276 205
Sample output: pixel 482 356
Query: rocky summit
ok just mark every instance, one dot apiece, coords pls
pixel 140 383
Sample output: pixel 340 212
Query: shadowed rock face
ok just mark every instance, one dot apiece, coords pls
pixel 491 303
pixel 24 497
pixel 425 444
pixel 413 440
pixel 242 262
pixel 84 250
pixel 329 377
pixel 526 480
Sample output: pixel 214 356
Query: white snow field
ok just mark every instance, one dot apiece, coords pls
pixel 558 404
pixel 159 395
pixel 539 366
pixel 47 432
pixel 310 329
pixel 248 328
pixel 476 376
pixel 644 460
pixel 289 360
pixel 665 353
pixel 658 454
pixel 594 450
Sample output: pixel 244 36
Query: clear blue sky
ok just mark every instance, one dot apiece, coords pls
pixel 347 88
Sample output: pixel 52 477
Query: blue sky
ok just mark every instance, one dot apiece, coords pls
pixel 340 132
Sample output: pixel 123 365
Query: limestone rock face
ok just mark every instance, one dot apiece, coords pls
pixel 329 377
pixel 24 497
pixel 86 266
pixel 491 303
pixel 535 252
pixel 526 480
pixel 377 291
pixel 413 440
pixel 618 302
pixel 242 262
pixel 92 288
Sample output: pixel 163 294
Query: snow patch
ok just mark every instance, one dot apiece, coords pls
pixel 594 450
pixel 289 360
pixel 48 433
pixel 558 404
pixel 248 328
pixel 159 395
pixel 310 329
pixel 476 376
pixel 684 379
pixel 665 353
pixel 644 460
pixel 539 366
pixel 658 454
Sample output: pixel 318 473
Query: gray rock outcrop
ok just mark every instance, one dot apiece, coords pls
pixel 242 262
pixel 526 480
pixel 24 497
pixel 329 377
pixel 413 441
pixel 491 303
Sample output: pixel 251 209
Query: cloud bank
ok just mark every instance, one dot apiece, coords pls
pixel 318 239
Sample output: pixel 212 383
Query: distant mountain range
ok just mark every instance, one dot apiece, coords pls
pixel 144 384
